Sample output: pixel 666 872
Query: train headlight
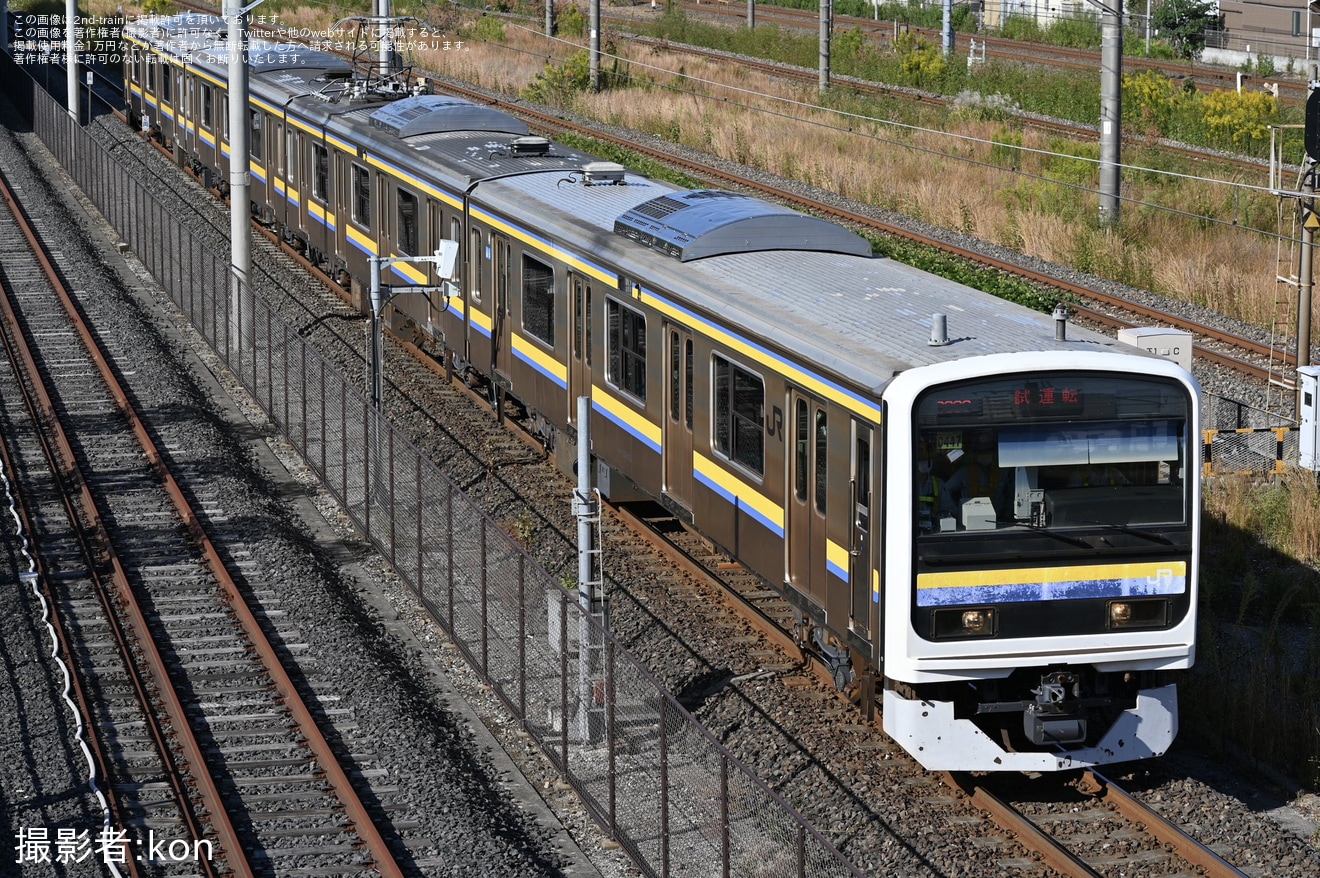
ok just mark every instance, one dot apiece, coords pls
pixel 1147 613
pixel 964 622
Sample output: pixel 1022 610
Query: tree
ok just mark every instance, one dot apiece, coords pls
pixel 1183 24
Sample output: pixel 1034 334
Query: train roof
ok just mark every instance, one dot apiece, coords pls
pixel 863 318
pixel 784 279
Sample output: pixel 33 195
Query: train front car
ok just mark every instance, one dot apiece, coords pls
pixel 1042 538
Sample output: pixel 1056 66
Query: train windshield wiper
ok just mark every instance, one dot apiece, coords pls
pixel 1132 531
pixel 1042 529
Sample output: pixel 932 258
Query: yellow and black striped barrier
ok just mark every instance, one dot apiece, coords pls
pixel 1248 451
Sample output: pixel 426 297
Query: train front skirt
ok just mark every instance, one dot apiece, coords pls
pixel 940 741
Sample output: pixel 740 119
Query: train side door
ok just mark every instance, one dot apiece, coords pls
pixel 860 566
pixel 579 362
pixel 501 353
pixel 808 480
pixel 677 444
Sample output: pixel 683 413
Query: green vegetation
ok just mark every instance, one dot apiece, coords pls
pixel 1153 104
pixel 558 83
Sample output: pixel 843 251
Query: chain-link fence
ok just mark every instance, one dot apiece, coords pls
pixel 653 777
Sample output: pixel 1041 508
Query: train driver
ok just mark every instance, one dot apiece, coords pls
pixel 979 475
pixel 932 498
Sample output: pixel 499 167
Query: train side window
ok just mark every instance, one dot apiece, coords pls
pixel 626 355
pixel 207 98
pixel 822 456
pixel 739 415
pixel 407 237
pixel 361 196
pixel 256 125
pixel 538 305
pixel 320 171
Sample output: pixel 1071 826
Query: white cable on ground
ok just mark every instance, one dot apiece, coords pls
pixel 33 578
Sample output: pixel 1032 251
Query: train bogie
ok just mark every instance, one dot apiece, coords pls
pixel 757 372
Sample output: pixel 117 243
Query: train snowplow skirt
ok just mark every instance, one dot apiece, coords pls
pixel 929 731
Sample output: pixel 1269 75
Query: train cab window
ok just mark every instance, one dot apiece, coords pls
pixel 407 235
pixel 320 172
pixel 538 305
pixel 626 348
pixel 1070 450
pixel 256 124
pixel 206 109
pixel 739 415
pixel 361 196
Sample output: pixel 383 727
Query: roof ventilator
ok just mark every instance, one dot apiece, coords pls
pixel 602 174
pixel 939 330
pixel 1061 315
pixel 529 145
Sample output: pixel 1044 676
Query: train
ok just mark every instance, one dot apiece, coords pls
pixel 986 518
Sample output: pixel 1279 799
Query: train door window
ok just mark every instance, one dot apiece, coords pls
pixel 256 125
pixel 675 376
pixel 474 265
pixel 277 149
pixel 822 455
pixel 687 357
pixel 407 234
pixel 455 235
pixel 862 480
pixel 538 304
pixel 800 450
pixel 680 378
pixel 166 83
pixel 582 320
pixel 224 115
pixel 361 196
pixel 625 367
pixel 294 159
pixel 739 415
pixel 207 98
pixel 859 554
pixel 151 73
pixel 320 172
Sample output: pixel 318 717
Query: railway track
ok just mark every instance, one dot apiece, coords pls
pixel 216 758
pixel 1085 826
pixel 1291 88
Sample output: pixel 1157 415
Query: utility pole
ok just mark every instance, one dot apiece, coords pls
pixel 1111 107
pixel 593 24
pixel 70 55
pixel 240 172
pixel 826 23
